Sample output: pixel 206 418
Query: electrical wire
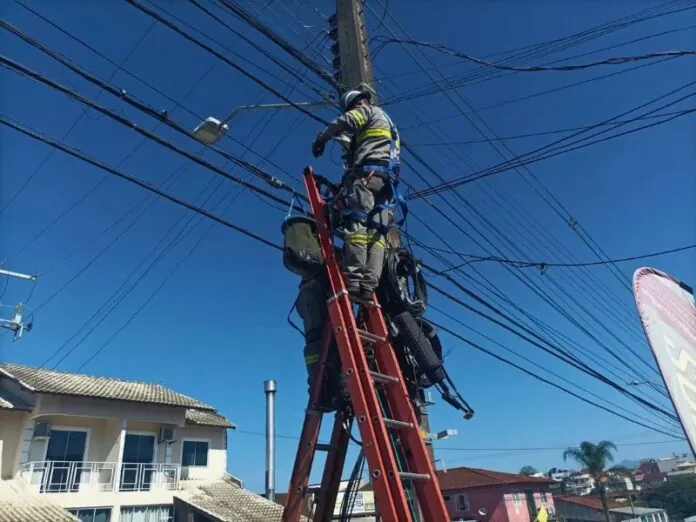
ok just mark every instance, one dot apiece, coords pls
pixel 143 184
pixel 72 127
pixel 17 67
pixel 537 134
pixel 143 82
pixel 538 68
pixel 476 126
pixel 551 383
pixel 261 128
pixel 542 265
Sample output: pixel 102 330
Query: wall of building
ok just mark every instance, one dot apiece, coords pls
pixel 11 429
pixel 499 503
pixel 217 450
pixel 131 411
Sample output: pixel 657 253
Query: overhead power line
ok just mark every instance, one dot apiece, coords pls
pixel 143 184
pixel 537 68
pixel 537 134
pixel 544 265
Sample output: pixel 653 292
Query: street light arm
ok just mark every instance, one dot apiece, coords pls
pixel 275 106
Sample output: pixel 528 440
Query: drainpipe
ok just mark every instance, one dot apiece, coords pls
pixel 269 387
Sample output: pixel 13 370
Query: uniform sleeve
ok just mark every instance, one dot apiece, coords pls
pixel 350 122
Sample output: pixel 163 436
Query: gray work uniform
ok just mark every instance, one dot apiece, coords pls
pixel 312 308
pixel 370 131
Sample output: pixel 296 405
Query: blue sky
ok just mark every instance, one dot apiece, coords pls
pixel 202 309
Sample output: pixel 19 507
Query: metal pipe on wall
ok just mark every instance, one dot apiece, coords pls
pixel 269 387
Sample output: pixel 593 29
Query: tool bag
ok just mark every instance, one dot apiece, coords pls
pixel 301 250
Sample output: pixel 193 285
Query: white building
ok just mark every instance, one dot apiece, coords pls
pixel 560 474
pixel 579 484
pixel 108 450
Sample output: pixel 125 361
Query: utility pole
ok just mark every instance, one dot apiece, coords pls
pixel 353 69
pixel 16 324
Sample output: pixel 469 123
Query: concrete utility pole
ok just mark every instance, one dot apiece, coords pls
pixel 353 68
pixel 16 324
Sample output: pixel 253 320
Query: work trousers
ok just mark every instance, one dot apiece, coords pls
pixel 311 307
pixel 364 246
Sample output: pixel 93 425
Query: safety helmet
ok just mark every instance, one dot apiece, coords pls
pixel 350 98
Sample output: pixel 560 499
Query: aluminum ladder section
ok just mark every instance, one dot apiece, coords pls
pixel 376 430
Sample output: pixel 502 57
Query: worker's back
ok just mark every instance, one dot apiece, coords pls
pixel 372 145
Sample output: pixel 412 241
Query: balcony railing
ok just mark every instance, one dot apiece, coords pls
pixel 74 477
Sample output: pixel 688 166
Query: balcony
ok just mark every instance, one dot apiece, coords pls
pixel 78 477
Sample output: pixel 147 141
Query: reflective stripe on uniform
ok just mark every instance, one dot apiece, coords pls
pixel 374 133
pixel 359 118
pixel 311 359
pixel 356 238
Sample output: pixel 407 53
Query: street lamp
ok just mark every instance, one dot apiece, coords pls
pixel 211 129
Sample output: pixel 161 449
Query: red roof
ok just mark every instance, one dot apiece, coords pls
pixel 588 501
pixel 463 478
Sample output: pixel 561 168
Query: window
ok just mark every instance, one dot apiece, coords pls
pixel 147 514
pixel 64 455
pixel 447 498
pixel 194 453
pixel 92 514
pixel 544 498
pixel 463 502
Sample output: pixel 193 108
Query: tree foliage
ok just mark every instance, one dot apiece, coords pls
pixel 677 496
pixel 528 471
pixel 594 457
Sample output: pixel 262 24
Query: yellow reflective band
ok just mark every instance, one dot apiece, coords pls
pixel 373 133
pixel 311 359
pixel 365 239
pixel 359 118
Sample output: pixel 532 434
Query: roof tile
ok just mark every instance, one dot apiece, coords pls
pixel 588 501
pixel 63 383
pixel 228 502
pixel 207 418
pixel 462 478
pixel 18 505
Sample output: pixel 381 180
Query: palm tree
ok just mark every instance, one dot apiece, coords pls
pixel 595 458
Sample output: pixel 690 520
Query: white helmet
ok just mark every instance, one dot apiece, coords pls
pixel 350 98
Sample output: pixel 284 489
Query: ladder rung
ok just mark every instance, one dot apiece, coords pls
pixel 370 336
pixel 414 476
pixel 380 377
pixel 391 423
pixel 322 447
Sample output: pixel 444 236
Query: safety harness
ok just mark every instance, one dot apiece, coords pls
pixel 391 172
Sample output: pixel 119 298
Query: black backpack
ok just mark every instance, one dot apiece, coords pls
pixel 301 250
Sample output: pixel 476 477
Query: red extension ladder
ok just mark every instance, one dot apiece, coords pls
pixel 372 391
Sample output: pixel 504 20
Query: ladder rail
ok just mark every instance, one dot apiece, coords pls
pixel 429 494
pixel 299 480
pixel 333 469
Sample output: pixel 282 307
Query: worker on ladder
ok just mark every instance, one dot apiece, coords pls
pixel 369 187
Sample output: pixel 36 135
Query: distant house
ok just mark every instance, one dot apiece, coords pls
pixel 589 509
pixel 361 503
pixel 579 484
pixel 94 449
pixel 492 496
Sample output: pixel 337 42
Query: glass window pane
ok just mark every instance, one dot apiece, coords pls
pixel 201 454
pixel 75 448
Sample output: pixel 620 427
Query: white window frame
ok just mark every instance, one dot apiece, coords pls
pixel 465 498
pixel 94 510
pixel 544 497
pixel 196 439
pixel 88 439
pixel 148 507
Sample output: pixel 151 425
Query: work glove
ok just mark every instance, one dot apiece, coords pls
pixel 318 146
